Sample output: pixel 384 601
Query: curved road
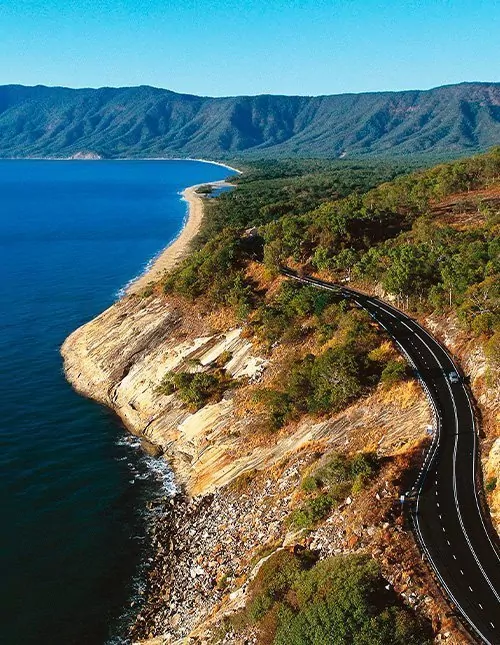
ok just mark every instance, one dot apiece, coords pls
pixel 446 512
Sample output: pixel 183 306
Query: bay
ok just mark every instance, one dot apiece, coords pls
pixel 73 486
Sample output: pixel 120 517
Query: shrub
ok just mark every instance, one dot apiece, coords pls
pixel 241 483
pixel 491 484
pixel 342 600
pixel 394 372
pixel 273 580
pixel 344 469
pixel 196 389
pixel 223 359
pixel 309 484
pixel 278 406
pixel 312 511
pixel 341 475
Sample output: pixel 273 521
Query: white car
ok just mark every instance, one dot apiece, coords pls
pixel 453 377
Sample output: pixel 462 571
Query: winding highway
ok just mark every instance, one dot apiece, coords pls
pixel 446 512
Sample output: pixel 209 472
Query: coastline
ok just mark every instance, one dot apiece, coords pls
pixel 178 248
pixel 98 158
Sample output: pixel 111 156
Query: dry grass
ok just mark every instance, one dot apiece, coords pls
pixel 406 394
pixel 463 211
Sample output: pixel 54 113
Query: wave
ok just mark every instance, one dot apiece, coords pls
pixel 149 469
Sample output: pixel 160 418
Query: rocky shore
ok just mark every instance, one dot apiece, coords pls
pixel 208 548
pixel 237 489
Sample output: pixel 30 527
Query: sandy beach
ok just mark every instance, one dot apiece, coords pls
pixel 178 248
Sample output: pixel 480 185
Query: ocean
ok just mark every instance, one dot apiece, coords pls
pixel 74 485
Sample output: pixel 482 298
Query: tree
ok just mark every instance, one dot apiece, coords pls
pixel 346 259
pixel 481 307
pixel 411 270
pixel 492 353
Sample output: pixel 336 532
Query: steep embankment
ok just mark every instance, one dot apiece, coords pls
pixel 121 357
pixel 245 485
pixel 150 122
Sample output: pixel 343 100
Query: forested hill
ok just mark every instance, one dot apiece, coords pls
pixel 145 121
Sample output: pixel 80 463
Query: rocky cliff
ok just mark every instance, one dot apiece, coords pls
pixel 241 486
pixel 121 357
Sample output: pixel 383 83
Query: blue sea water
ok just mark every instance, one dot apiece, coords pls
pixel 73 486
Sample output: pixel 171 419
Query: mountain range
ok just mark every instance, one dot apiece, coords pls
pixel 145 121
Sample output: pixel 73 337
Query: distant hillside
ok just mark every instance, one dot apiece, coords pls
pixel 145 121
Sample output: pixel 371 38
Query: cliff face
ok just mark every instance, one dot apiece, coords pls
pixel 243 487
pixel 121 357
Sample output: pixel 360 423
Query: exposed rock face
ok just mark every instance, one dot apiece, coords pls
pixel 88 155
pixel 209 545
pixel 121 357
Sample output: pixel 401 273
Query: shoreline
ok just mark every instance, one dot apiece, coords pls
pixel 209 161
pixel 178 248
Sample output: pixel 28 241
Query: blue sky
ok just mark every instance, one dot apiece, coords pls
pixel 217 48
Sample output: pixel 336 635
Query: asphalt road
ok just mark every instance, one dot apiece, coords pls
pixel 444 503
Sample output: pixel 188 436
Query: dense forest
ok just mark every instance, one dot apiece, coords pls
pixel 377 226
pixel 131 122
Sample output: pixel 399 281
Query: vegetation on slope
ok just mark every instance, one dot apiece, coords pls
pixel 146 121
pixel 331 483
pixel 268 191
pixel 295 600
pixel 400 236
pixel 196 389
pixel 390 236
pixel 338 361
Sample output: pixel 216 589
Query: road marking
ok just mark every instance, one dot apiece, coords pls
pixel 471 588
pixel 480 605
pixel 434 446
pixel 462 571
pixel 475 442
pixel 454 556
pixel 459 514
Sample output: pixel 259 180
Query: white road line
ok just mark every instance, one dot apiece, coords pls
pixel 475 439
pixel 448 590
pixel 432 452
pixel 455 493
